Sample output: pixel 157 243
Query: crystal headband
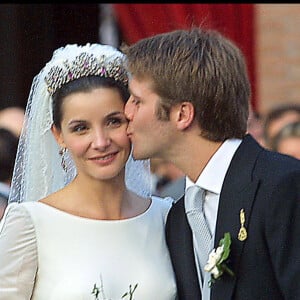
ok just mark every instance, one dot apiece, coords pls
pixel 85 65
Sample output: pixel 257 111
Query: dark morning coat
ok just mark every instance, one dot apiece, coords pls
pixel 267 264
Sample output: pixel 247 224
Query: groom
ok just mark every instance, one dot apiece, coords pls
pixel 189 105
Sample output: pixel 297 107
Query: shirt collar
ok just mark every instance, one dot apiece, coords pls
pixel 212 176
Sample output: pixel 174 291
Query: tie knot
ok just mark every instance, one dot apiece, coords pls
pixel 194 196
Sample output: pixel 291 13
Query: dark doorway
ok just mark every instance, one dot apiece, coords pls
pixel 29 34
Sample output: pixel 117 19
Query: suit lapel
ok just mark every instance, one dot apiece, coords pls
pixel 238 193
pixel 180 242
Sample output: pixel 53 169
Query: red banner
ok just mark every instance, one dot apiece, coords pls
pixel 236 21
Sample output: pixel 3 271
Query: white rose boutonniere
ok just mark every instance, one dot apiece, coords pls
pixel 216 263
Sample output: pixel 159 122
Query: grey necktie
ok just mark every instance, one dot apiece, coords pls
pixel 197 221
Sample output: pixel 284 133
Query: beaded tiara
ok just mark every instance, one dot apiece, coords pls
pixel 86 64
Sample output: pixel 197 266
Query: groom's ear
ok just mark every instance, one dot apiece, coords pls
pixel 183 114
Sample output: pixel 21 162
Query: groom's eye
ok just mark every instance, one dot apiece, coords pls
pixel 135 101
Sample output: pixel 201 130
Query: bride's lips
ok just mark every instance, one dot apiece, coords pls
pixel 104 159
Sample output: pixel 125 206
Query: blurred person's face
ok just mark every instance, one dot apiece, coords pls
pixel 290 146
pixel 12 118
pixel 276 125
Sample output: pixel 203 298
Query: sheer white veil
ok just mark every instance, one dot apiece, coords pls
pixel 38 171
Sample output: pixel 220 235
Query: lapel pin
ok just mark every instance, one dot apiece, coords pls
pixel 243 232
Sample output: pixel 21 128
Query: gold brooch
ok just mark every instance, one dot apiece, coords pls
pixel 243 232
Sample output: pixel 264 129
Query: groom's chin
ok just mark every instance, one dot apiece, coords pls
pixel 137 156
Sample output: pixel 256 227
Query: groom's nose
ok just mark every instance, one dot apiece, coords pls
pixel 129 109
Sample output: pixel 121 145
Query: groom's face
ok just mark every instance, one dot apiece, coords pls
pixel 150 137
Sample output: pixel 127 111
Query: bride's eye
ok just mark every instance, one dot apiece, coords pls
pixel 116 121
pixel 79 128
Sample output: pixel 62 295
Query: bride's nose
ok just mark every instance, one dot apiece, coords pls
pixel 101 139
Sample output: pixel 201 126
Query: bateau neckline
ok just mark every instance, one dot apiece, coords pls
pixel 62 212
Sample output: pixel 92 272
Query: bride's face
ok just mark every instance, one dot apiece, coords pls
pixel 93 129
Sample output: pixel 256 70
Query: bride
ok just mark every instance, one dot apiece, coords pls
pixel 80 223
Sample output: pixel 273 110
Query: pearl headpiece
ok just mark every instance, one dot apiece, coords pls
pixel 85 64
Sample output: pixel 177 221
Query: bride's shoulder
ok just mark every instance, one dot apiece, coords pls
pixel 17 216
pixel 20 207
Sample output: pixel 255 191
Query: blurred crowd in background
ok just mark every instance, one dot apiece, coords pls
pixel 11 122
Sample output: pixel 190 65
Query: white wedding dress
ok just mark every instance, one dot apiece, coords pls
pixel 48 254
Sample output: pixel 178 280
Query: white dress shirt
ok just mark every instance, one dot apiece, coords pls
pixel 211 180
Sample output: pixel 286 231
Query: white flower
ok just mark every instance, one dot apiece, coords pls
pixel 213 259
pixel 216 261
